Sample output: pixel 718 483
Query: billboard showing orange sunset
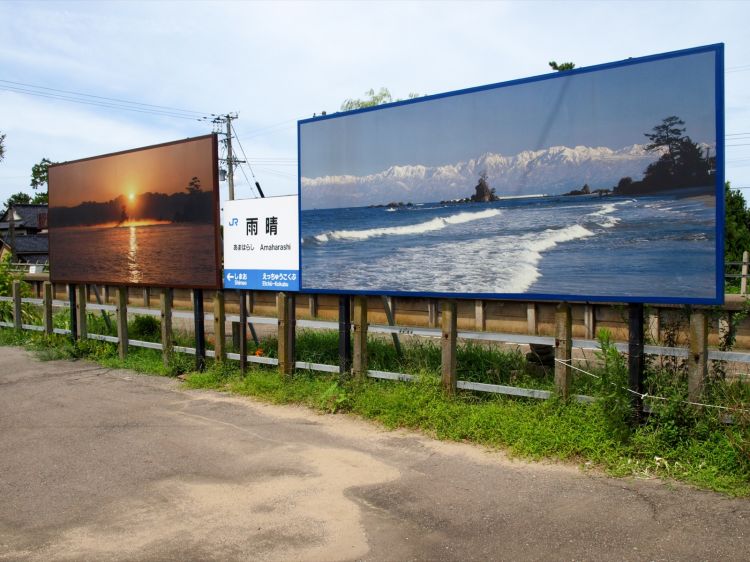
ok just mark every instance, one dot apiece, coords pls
pixel 143 217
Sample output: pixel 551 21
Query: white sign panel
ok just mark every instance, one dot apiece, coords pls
pixel 261 244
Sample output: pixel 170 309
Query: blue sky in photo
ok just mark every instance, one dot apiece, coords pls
pixel 611 108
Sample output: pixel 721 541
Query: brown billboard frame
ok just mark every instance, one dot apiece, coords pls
pixel 216 218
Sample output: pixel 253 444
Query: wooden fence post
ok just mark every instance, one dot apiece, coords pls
pixel 146 298
pixel 448 347
pixel 698 360
pixel 360 337
pixel 479 316
pixel 531 320
pixel 743 279
pixel 16 292
pixel 285 312
pixel 47 301
pixel 166 300
pixel 83 331
pixel 220 348
pixel 432 313
pixel 312 304
pixel 654 325
pixel 563 349
pixel 122 321
pixel 589 321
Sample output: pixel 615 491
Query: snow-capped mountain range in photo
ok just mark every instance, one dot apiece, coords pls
pixel 550 171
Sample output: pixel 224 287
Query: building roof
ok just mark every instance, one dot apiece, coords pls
pixel 30 244
pixel 29 216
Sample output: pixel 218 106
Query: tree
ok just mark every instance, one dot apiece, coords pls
pixel 373 99
pixel 561 67
pixel 19 198
pixel 666 135
pixel 194 186
pixel 682 163
pixel 2 147
pixel 40 173
pixel 736 224
pixel 40 178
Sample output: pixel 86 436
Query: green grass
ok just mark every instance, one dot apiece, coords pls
pixel 677 442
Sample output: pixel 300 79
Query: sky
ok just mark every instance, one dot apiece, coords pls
pixel 277 62
pixel 157 170
pixel 610 108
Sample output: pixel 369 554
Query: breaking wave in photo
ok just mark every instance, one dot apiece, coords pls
pixel 406 230
pixel 547 246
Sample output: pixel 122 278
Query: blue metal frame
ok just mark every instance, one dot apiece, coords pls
pixel 717 49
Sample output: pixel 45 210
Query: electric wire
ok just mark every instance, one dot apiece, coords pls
pixel 247 161
pixel 95 103
pixel 166 107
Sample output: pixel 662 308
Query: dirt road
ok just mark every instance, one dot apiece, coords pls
pixel 99 464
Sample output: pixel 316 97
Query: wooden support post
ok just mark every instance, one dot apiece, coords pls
pixel 312 305
pixel 360 337
pixel 243 332
pixel 122 321
pixel 531 320
pixel 589 321
pixel 743 279
pixel 390 316
pixel 220 347
pixel 83 331
pixel 236 335
pixel 166 300
pixel 698 359
pixel 104 313
pixel 563 349
pixel 71 291
pixel 635 359
pixel 727 328
pixel 432 313
pixel 654 325
pixel 448 345
pixel 146 298
pixel 200 330
pixel 345 335
pixel 479 322
pixel 49 327
pixel 106 294
pixel 16 292
pixel 250 302
pixel 287 324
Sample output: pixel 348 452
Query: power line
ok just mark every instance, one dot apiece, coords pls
pixel 95 103
pixel 242 149
pixel 171 109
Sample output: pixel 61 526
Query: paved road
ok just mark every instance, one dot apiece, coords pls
pixel 99 464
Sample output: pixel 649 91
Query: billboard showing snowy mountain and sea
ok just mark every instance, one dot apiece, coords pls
pixel 600 183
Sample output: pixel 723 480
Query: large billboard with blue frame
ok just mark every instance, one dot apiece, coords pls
pixel 602 183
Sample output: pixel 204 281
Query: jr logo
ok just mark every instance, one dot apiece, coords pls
pixel 233 222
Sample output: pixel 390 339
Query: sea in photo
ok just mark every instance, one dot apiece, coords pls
pixel 133 254
pixel 632 246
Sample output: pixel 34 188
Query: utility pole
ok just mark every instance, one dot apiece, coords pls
pixel 12 228
pixel 230 158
